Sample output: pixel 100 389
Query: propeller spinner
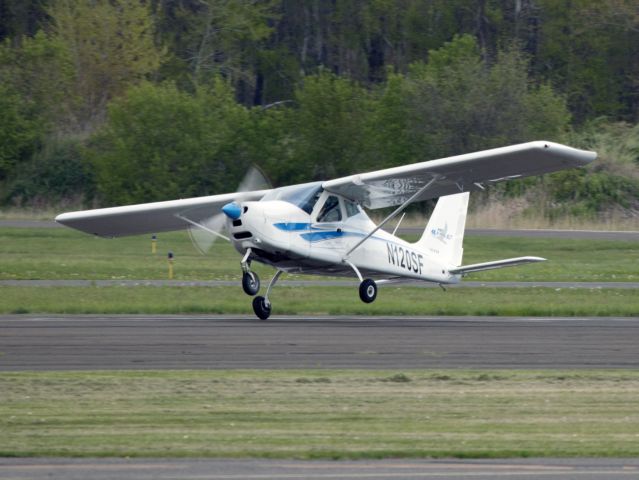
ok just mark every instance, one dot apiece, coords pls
pixel 203 237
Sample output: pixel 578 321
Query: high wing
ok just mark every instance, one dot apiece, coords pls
pixel 382 188
pixel 462 173
pixel 509 262
pixel 152 217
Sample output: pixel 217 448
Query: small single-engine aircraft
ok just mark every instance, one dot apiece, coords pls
pixel 320 228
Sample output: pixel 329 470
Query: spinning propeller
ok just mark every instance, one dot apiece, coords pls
pixel 204 233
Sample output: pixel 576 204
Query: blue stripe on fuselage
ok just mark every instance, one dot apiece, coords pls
pixel 318 234
pixel 292 227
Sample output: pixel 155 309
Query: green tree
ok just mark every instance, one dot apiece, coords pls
pixel 160 143
pixel 20 18
pixel 55 174
pixel 388 139
pixel 587 48
pixel 112 46
pixel 459 103
pixel 328 126
pixel 35 79
pixel 213 38
pixel 18 133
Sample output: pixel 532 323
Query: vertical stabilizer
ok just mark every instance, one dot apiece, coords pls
pixel 444 234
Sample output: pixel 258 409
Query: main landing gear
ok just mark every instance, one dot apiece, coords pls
pixel 367 287
pixel 262 305
pixel 368 291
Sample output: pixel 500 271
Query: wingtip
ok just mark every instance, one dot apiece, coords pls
pixel 64 218
pixel 60 218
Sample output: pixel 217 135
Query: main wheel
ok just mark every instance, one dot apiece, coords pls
pixel 261 308
pixel 368 291
pixel 250 283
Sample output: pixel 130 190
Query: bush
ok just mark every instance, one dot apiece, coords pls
pixel 56 173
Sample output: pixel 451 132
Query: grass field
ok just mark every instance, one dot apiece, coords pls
pixel 320 414
pixel 313 414
pixel 324 300
pixel 32 253
pixel 66 254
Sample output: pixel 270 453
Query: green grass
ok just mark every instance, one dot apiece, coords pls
pixel 320 414
pixel 324 300
pixel 67 254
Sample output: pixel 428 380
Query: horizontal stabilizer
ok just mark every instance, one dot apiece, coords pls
pixel 509 262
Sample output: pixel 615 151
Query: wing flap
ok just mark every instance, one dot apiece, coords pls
pixel 151 217
pixel 462 173
pixel 508 262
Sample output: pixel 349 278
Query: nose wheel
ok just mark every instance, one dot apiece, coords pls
pixel 250 280
pixel 250 283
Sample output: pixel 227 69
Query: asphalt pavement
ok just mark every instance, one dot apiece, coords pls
pixel 220 469
pixel 99 342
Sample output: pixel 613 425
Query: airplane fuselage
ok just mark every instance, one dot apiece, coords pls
pixel 284 236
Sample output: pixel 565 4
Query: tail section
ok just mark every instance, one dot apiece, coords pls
pixel 444 234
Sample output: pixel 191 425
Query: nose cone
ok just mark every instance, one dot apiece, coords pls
pixel 232 210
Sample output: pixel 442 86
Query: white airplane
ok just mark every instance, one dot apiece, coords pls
pixel 320 228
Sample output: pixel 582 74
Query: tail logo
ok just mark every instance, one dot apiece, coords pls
pixel 442 234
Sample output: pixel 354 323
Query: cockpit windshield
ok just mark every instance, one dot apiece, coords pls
pixel 303 196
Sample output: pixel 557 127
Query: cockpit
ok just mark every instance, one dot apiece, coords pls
pixel 304 196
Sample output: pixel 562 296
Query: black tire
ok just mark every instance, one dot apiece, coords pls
pixel 261 309
pixel 368 291
pixel 250 283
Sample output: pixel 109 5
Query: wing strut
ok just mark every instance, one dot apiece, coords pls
pixel 199 225
pixel 394 214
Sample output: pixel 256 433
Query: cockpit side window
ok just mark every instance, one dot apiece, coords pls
pixel 330 211
pixel 351 208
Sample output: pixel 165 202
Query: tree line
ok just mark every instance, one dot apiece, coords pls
pixel 105 102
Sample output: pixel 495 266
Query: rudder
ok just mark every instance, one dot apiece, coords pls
pixel 444 234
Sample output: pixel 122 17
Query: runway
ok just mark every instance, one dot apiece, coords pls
pixel 217 469
pixel 53 342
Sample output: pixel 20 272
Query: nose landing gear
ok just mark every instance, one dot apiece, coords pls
pixel 250 280
pixel 250 283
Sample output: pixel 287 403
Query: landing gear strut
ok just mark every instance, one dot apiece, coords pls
pixel 262 305
pixel 250 280
pixel 367 287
